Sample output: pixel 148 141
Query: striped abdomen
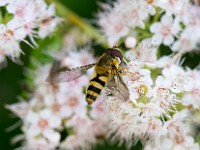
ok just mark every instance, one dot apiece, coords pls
pixel 96 85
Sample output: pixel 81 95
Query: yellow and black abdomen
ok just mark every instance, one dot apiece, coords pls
pixel 97 83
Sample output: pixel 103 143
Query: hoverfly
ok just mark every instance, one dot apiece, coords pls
pixel 108 72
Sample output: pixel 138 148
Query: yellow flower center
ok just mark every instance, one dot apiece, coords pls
pixel 142 90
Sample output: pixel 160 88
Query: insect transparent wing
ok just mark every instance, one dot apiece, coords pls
pixel 68 74
pixel 117 87
pixel 55 66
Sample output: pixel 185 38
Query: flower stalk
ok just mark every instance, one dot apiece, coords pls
pixel 73 18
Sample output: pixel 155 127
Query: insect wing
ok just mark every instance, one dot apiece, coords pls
pixel 117 87
pixel 55 66
pixel 121 86
pixel 68 74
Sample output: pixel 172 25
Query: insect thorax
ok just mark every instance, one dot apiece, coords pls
pixel 105 64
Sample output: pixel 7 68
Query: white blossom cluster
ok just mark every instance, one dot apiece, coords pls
pixel 24 18
pixel 61 108
pixel 164 96
pixel 159 110
pixel 169 21
pixel 162 93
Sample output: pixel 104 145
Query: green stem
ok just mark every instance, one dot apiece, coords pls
pixel 1 17
pixel 157 15
pixel 73 18
pixel 144 36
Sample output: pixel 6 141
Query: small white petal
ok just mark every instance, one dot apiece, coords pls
pixel 130 42
pixel 155 27
pixel 160 80
pixel 65 111
pixel 157 39
pixel 168 40
pixel 46 113
pixel 54 121
pixel 52 136
pixel 167 20
pixel 178 147
pixel 167 143
pixel 33 131
pixel 176 46
pixel 32 117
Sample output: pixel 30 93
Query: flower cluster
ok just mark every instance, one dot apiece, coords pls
pixel 151 115
pixel 61 108
pixel 24 18
pixel 162 93
pixel 162 109
pixel 167 22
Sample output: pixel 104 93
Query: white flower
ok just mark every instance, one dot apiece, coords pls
pixel 163 97
pixel 85 132
pixel 188 15
pixel 9 45
pixel 20 109
pixel 123 119
pixel 176 136
pixel 138 81
pixel 130 42
pixel 131 123
pixel 38 144
pixel 187 43
pixel 164 31
pixel 23 29
pixel 164 61
pixel 80 123
pixel 22 9
pixel 192 97
pixel 149 110
pixel 72 104
pixel 75 142
pixel 61 99
pixel 43 123
pixel 145 52
pixel 116 29
pixel 99 109
pixel 140 90
pixel 78 58
pixel 32 14
pixel 177 79
pixel 173 6
pixel 130 14
pixel 48 22
pixel 136 73
pixel 3 2
pixel 155 128
pixel 27 16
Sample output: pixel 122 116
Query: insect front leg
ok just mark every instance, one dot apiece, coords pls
pixel 122 71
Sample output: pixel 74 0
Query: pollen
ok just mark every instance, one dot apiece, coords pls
pixel 56 107
pixel 43 123
pixel 73 101
pixel 8 34
pixel 142 90
pixel 150 1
